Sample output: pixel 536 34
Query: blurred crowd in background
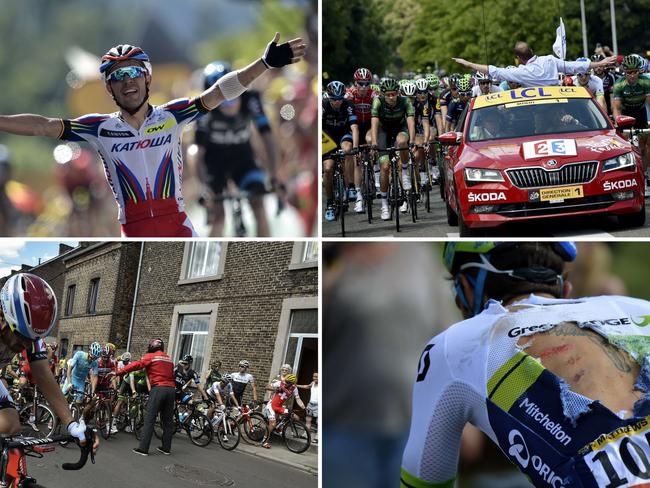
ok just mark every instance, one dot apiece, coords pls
pixel 382 302
pixel 52 188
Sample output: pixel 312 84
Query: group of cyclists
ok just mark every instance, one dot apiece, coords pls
pixel 412 111
pixel 97 372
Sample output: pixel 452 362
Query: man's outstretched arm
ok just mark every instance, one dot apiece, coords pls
pixel 31 125
pixel 234 84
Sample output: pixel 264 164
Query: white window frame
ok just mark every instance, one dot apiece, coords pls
pixel 284 330
pixel 298 255
pixel 194 309
pixel 187 255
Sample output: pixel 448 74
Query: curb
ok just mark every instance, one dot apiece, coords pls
pixel 269 455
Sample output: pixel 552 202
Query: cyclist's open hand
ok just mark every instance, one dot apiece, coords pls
pixel 286 53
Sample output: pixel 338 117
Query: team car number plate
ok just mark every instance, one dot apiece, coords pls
pixel 556 194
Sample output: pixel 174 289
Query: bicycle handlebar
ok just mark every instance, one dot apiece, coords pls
pixel 86 450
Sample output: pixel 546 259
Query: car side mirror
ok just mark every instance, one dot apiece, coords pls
pixel 623 121
pixel 450 138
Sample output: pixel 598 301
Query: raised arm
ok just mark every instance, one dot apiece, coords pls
pixel 234 84
pixel 31 125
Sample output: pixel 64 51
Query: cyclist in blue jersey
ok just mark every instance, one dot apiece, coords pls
pixel 80 366
pixel 140 145
pixel 28 315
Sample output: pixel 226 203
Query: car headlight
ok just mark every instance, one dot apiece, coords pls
pixel 478 175
pixel 622 161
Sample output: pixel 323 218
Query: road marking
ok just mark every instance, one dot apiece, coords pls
pixel 453 234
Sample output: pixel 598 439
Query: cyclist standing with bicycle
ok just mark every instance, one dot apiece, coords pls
pixel 226 153
pixel 287 389
pixel 29 312
pixel 160 370
pixel 140 144
pixel 392 123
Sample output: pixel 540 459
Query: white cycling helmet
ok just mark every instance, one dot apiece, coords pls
pixel 422 85
pixel 408 89
pixel 126 356
pixel 480 76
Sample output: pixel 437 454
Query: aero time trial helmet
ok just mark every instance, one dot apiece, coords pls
pixel 123 52
pixel 29 305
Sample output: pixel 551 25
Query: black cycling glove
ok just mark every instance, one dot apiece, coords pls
pixel 277 56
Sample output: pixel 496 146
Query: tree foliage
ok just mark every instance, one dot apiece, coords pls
pixel 411 35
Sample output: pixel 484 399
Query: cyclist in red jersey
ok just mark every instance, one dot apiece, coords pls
pixel 361 97
pixel 140 145
pixel 286 390
pixel 107 367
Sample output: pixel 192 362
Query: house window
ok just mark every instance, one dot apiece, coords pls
pixel 92 295
pixel 304 255
pixel 64 348
pixel 302 346
pixel 69 304
pixel 310 252
pixel 204 259
pixel 192 338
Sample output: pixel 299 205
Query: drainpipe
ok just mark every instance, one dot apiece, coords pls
pixel 135 297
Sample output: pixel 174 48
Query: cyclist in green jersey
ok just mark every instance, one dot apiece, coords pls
pixel 631 96
pixel 392 123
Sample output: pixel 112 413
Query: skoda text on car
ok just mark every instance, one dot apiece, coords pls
pixel 540 152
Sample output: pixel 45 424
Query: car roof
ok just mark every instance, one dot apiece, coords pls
pixel 530 95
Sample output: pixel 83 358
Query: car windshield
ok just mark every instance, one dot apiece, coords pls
pixel 562 116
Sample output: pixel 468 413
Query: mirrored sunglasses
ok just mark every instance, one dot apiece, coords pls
pixel 465 93
pixel 130 71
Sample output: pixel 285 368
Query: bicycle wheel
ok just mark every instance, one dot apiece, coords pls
pixel 340 189
pixel 296 436
pixel 43 424
pixel 369 182
pixel 394 185
pixel 228 433
pixel 429 184
pixel 103 419
pixel 137 422
pixel 199 428
pixel 255 428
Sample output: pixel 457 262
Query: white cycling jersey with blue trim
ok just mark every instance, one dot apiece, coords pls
pixel 144 167
pixel 477 372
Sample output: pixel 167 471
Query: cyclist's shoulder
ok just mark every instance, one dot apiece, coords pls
pixel 95 118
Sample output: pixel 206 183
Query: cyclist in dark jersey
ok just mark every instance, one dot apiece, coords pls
pixel 631 97
pixel 456 107
pixel 340 124
pixel 423 112
pixel 184 376
pixel 608 80
pixel 226 153
pixel 392 124
pixel 435 116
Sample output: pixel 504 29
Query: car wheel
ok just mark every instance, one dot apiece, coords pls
pixel 452 217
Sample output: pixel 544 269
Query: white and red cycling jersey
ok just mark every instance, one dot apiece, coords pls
pixel 282 395
pixel 362 105
pixel 144 166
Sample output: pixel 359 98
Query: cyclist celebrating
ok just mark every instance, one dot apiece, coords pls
pixel 558 384
pixel 287 389
pixel 225 150
pixel 140 144
pixel 340 124
pixel 631 97
pixel 29 312
pixel 392 123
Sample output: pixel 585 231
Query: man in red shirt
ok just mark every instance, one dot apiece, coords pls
pixel 160 370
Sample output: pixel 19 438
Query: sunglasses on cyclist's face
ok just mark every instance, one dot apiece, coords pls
pixel 131 71
pixel 632 72
pixel 363 84
pixel 465 93
pixel 422 93
pixel 483 82
pixel 390 94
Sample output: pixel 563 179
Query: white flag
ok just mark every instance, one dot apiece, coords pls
pixel 559 46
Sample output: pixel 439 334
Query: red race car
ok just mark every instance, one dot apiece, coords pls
pixel 539 152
